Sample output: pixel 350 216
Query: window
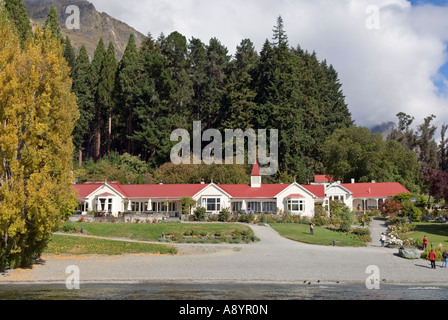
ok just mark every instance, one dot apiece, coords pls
pixel 337 198
pixel 236 206
pixel 213 204
pixel 254 206
pixel 269 207
pixel 296 205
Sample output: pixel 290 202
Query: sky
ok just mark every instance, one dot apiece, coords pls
pixel 391 55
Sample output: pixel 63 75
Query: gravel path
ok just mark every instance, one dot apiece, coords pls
pixel 273 259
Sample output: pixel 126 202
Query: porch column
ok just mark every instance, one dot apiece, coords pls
pixel 98 204
pixel 149 205
pixel 244 205
pixel 129 205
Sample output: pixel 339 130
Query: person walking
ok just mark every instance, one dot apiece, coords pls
pixel 312 228
pixel 432 258
pixel 383 239
pixel 425 242
pixel 445 257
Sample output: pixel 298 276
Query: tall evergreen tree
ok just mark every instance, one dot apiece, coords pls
pixel 69 53
pixel 106 88
pixel 239 99
pixel 52 23
pixel 95 77
pixel 128 90
pixel 82 88
pixel 17 13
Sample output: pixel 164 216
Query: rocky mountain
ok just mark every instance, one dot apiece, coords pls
pixel 92 24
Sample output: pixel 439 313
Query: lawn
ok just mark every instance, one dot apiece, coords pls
pixel 61 244
pixel 322 236
pixel 153 232
pixel 435 232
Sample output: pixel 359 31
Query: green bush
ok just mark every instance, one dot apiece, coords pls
pixel 224 215
pixel 199 214
pixel 361 232
pixel 246 218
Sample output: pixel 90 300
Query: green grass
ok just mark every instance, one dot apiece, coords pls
pixel 152 232
pixel 61 244
pixel 322 236
pixel 435 232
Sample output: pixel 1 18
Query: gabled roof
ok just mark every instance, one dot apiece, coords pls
pixel 317 190
pixel 375 190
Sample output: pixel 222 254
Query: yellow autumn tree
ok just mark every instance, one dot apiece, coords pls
pixel 38 113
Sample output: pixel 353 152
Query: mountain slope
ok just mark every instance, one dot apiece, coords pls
pixel 93 24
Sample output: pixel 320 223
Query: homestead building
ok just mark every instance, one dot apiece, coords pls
pixel 116 198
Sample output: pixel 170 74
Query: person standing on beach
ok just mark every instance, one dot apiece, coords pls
pixel 432 258
pixel 445 257
pixel 425 242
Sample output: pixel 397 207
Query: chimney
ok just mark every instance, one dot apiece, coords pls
pixel 161 181
pixel 202 182
pixel 353 181
pixel 373 181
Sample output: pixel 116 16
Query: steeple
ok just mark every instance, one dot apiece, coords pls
pixel 255 179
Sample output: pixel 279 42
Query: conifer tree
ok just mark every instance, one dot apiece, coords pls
pixel 106 88
pixel 52 23
pixel 95 72
pixel 82 88
pixel 128 88
pixel 18 15
pixel 69 52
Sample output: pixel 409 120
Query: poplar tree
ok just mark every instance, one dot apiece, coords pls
pixel 38 113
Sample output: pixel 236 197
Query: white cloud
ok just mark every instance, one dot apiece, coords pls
pixel 383 71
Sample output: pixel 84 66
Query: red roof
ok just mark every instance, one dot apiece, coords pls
pixel 256 169
pixel 176 191
pixel 323 178
pixel 317 190
pixel 375 190
pixel 246 191
pixel 84 190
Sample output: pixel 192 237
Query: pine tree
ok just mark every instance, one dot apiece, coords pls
pixel 38 113
pixel 52 23
pixel 106 88
pixel 69 53
pixel 82 88
pixel 18 15
pixel 128 88
pixel 239 99
pixel 95 73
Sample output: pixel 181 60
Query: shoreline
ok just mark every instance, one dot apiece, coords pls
pixel 273 260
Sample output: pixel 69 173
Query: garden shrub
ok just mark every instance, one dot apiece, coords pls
pixel 224 215
pixel 199 214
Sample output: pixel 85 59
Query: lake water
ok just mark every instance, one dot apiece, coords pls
pixel 220 291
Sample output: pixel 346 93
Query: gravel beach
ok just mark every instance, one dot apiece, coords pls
pixel 273 259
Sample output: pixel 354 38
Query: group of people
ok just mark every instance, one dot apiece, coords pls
pixel 433 255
